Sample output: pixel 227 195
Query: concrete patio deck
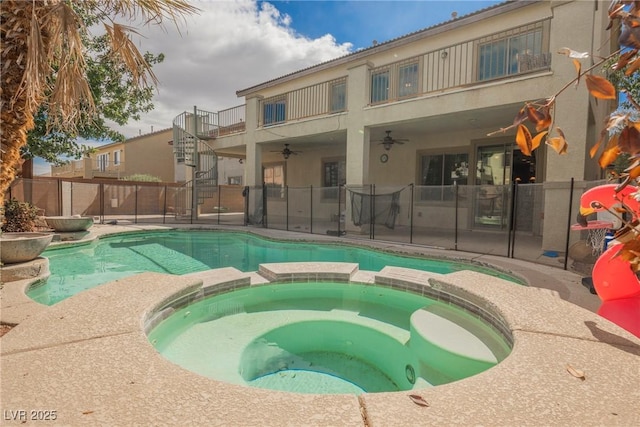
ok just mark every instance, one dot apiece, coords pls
pixel 88 359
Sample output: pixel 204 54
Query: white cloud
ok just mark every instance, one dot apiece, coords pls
pixel 230 45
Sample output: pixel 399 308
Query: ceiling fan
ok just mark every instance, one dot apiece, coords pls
pixel 287 152
pixel 388 141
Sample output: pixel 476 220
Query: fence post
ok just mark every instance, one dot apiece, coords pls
pixel 311 204
pixel 219 201
pixel 569 219
pixel 455 219
pixel 411 214
pixel 245 194
pixel 193 194
pixel 71 197
pixel 372 212
pixel 135 208
pixel 264 206
pixel 164 207
pixel 339 207
pixel 511 242
pixel 101 203
pixel 59 197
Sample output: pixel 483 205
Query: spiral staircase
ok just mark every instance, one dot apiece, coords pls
pixel 191 133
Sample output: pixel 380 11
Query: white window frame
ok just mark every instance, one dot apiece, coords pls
pixel 274 182
pixel 102 161
pixel 338 96
pixel 379 87
pixel 462 172
pixel 408 79
pixel 512 52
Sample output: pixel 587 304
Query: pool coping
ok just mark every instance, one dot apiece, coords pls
pixel 15 306
pixel 88 359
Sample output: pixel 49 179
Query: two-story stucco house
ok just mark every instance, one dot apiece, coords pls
pixel 148 154
pixel 437 94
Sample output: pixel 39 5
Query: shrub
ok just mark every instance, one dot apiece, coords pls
pixel 19 216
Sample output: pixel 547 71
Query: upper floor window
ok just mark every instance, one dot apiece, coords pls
pixel 441 170
pixel 116 157
pixel 395 81
pixel 103 161
pixel 274 111
pixel 338 97
pixel 408 80
pixel 512 54
pixel 380 86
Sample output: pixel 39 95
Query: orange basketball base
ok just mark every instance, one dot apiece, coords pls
pixel 613 277
pixel 623 312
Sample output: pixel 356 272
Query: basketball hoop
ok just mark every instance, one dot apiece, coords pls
pixel 597 231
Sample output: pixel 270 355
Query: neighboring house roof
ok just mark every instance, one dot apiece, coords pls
pixel 126 141
pixel 453 23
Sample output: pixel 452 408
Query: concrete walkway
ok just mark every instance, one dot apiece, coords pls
pixel 87 361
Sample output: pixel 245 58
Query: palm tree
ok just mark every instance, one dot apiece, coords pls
pixel 42 61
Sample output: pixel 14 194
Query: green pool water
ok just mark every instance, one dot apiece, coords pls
pixel 324 338
pixel 77 268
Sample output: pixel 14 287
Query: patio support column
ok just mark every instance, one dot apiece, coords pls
pixel 253 168
pixel 580 118
pixel 358 135
pixel 358 149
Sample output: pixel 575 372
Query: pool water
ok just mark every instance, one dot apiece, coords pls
pixel 80 267
pixel 325 338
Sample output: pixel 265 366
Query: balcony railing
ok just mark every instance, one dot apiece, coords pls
pixel 208 125
pixel 323 98
pixel 99 169
pixel 500 55
pixel 496 56
pixel 232 120
pixel 74 168
pixel 107 170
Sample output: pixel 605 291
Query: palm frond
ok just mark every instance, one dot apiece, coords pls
pixel 128 54
pixel 36 67
pixel 151 11
pixel 70 86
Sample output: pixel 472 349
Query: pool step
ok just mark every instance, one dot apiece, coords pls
pixel 455 343
pixel 294 271
pixel 405 278
pixel 451 332
pixel 220 275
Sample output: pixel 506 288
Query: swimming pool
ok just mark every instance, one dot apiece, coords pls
pixel 328 337
pixel 80 267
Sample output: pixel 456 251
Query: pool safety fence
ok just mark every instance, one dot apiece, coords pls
pixel 522 221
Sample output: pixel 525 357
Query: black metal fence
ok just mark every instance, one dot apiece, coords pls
pixel 526 221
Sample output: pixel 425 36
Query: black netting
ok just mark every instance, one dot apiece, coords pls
pixel 382 208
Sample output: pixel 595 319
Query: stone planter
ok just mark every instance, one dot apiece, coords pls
pixel 22 247
pixel 67 224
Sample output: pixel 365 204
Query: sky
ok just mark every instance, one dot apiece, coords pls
pixel 236 44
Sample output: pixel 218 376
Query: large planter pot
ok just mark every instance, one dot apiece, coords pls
pixel 67 224
pixel 22 247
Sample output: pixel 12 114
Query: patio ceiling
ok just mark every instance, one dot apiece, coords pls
pixel 486 119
